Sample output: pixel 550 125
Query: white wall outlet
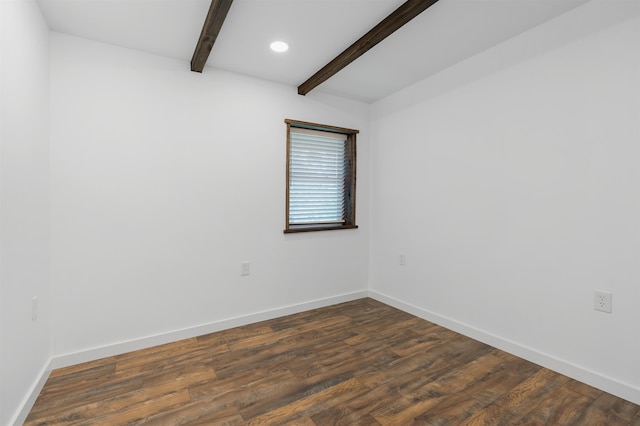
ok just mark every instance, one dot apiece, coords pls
pixel 34 308
pixel 402 259
pixel 602 301
pixel 245 268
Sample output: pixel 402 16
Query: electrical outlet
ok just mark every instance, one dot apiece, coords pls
pixel 602 301
pixel 402 260
pixel 34 308
pixel 245 268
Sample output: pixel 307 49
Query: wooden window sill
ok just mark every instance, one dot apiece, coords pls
pixel 315 228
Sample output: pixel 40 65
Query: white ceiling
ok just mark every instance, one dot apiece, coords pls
pixel 316 30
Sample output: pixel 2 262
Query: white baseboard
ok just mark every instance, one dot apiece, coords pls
pixel 607 384
pixel 92 354
pixel 30 399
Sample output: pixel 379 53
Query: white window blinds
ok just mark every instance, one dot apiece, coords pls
pixel 317 172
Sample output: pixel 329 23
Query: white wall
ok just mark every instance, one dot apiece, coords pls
pixel 510 182
pixel 163 181
pixel 25 346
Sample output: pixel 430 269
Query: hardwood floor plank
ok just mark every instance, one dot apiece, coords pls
pixel 268 338
pixel 73 369
pixel 343 416
pixel 452 410
pixel 405 409
pixel 280 396
pixel 608 410
pixel 422 342
pixel 198 412
pixel 562 407
pixel 275 356
pixel 355 363
pixel 490 415
pixel 65 404
pixel 359 363
pixel 233 334
pixel 78 379
pixel 624 409
pixel 138 413
pixel 166 360
pixel 433 391
pixel 245 385
pixel 305 421
pixel 116 410
pixel 586 390
pixel 495 383
pixel 459 405
pixel 513 405
pixel 183 376
pixel 309 405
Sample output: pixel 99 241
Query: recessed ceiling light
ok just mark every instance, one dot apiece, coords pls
pixel 279 46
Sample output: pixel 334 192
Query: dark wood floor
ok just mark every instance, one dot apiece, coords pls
pixel 357 363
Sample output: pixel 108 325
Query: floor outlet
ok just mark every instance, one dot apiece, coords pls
pixel 602 301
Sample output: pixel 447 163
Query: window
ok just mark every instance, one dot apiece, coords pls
pixel 321 177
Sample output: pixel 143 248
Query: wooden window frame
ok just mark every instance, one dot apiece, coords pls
pixel 350 178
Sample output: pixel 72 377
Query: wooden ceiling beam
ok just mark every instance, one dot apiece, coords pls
pixel 405 13
pixel 210 30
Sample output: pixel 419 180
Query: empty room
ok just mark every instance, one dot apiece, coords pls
pixel 320 212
